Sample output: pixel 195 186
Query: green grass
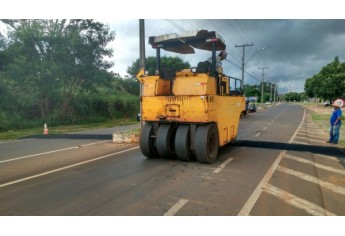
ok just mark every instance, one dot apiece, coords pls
pixel 309 104
pixel 16 134
pixel 322 118
pixel 132 131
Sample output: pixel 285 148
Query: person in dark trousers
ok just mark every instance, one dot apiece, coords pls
pixel 335 121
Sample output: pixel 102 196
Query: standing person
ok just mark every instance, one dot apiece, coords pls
pixel 335 122
pixel 221 56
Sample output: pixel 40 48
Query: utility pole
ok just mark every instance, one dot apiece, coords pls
pixel 262 83
pixel 142 60
pixel 243 46
pixel 274 91
pixel 271 93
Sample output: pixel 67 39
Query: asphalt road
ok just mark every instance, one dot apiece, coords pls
pixel 279 165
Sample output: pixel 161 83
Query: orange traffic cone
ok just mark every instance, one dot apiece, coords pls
pixel 45 130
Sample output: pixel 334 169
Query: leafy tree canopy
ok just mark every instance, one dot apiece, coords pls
pixel 256 91
pixel 171 62
pixel 329 83
pixel 51 60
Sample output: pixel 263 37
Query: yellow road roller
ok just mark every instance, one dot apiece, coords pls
pixel 189 113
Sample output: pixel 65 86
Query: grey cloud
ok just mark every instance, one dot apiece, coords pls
pixel 296 49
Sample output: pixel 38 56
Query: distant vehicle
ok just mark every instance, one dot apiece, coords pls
pixel 268 103
pixel 252 107
pixel 327 103
pixel 245 111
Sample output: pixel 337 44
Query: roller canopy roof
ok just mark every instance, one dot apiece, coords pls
pixel 186 42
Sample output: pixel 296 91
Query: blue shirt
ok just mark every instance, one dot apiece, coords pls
pixel 336 113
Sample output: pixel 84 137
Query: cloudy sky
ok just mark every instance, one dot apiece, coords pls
pixel 295 49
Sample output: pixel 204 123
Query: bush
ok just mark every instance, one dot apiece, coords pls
pixel 83 108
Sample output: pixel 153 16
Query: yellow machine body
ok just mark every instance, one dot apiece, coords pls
pixel 194 100
pixel 188 113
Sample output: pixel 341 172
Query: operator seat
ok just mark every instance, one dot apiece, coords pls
pixel 204 67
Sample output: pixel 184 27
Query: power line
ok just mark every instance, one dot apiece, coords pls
pixel 235 58
pixel 252 76
pixel 263 79
pixel 240 27
pixel 243 46
pixel 220 27
pixel 233 63
pixel 176 25
pixel 197 25
pixel 235 30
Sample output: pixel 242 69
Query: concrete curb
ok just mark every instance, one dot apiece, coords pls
pixel 125 138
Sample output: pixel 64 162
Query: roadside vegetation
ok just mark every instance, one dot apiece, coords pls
pixel 58 72
pixel 54 72
pixel 329 83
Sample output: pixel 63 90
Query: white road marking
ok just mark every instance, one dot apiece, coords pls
pixel 294 135
pixel 301 143
pixel 309 178
pixel 328 168
pixel 66 167
pixel 297 202
pixel 328 157
pixel 58 150
pixel 312 132
pixel 312 140
pixel 270 123
pixel 175 208
pixel 258 190
pixel 311 129
pixel 222 166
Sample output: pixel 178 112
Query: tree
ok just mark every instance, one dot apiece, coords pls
pixel 293 96
pixel 171 62
pixel 129 85
pixel 2 53
pixel 251 90
pixel 328 83
pixel 52 60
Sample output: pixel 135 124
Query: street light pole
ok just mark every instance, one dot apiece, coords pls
pixel 262 49
pixel 271 93
pixel 262 83
pixel 274 91
pixel 243 46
